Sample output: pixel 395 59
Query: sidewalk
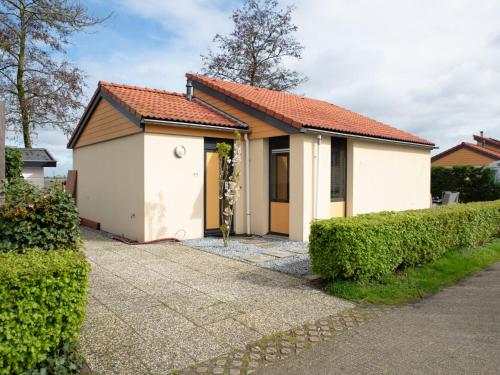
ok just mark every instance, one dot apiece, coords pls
pixel 457 331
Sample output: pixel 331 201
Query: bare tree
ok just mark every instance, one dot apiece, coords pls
pixel 40 87
pixel 254 52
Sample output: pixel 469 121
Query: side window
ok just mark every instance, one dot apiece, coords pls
pixel 279 176
pixel 338 169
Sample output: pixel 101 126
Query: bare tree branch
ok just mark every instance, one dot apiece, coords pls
pixel 39 89
pixel 253 53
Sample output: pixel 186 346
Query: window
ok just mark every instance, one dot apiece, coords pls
pixel 279 175
pixel 339 170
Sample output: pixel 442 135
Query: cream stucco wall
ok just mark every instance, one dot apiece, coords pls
pixel 34 175
pixel 136 187
pixel 303 172
pixel 259 186
pixel 173 187
pixel 110 184
pixel 384 176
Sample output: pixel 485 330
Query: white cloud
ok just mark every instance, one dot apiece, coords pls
pixel 428 67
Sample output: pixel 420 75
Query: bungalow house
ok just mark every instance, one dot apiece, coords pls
pixel 484 152
pixel 147 167
pixel 34 162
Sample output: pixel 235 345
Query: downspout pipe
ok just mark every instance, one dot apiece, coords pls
pixel 247 183
pixel 318 146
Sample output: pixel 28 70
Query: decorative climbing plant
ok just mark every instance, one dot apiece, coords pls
pixel 229 188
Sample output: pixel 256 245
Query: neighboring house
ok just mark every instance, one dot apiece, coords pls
pixel 147 165
pixel 483 153
pixel 35 160
pixel 496 167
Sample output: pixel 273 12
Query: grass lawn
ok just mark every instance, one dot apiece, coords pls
pixel 415 283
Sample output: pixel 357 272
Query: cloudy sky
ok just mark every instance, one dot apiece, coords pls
pixel 430 67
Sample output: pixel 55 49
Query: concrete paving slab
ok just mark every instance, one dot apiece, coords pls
pixel 263 322
pixel 269 245
pixel 119 360
pixel 278 253
pixel 232 332
pixel 162 354
pixel 254 241
pixel 258 258
pixel 202 345
pixel 299 250
pixel 157 323
pixel 213 313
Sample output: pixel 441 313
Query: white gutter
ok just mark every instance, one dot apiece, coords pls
pixel 194 126
pixel 247 182
pixel 318 145
pixel 368 138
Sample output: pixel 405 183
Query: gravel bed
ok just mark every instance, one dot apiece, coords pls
pixel 239 248
pixel 297 265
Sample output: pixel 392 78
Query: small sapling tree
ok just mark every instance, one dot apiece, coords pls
pixel 229 188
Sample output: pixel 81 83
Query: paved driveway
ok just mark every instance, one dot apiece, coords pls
pixel 155 308
pixel 457 331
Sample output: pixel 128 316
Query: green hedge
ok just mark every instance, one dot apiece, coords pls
pixel 370 245
pixel 13 164
pixel 38 218
pixel 474 183
pixel 42 305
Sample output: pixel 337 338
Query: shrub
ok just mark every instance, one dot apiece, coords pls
pixel 371 245
pixel 42 305
pixel 474 183
pixel 13 164
pixel 38 218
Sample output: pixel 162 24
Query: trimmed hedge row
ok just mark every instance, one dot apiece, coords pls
pixel 370 245
pixel 42 306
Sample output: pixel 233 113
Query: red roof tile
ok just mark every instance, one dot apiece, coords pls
pixel 299 111
pixel 164 105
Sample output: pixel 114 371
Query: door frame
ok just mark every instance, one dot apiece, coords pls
pixel 209 144
pixel 278 143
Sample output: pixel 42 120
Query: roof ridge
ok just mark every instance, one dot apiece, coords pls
pixel 139 88
pixel 255 87
pixel 305 97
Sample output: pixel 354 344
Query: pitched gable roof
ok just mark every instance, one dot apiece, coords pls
pixel 302 112
pixel 481 150
pixel 141 103
pixel 37 157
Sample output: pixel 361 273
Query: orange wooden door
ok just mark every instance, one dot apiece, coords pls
pixel 279 180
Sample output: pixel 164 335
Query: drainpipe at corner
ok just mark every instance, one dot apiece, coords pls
pixel 247 182
pixel 316 208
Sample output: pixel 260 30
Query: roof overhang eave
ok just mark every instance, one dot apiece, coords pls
pixel 39 163
pixel 192 125
pixel 306 129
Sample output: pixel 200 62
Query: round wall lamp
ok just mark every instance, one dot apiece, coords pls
pixel 180 151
